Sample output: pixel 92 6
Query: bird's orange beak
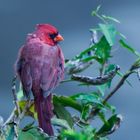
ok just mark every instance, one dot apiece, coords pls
pixel 58 38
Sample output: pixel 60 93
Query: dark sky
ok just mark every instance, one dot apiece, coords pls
pixel 73 19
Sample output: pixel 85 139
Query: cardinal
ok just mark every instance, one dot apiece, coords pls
pixel 40 67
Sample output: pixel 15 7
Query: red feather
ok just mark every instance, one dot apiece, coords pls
pixel 40 66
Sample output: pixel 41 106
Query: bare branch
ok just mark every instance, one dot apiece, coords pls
pixel 121 82
pixel 132 69
pixel 21 116
pixel 98 80
pixel 14 94
pixel 76 66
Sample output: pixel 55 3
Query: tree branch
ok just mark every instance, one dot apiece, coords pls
pixel 96 81
pixel 121 82
pixel 14 94
pixel 135 66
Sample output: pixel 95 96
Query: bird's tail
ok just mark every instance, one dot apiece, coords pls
pixel 43 106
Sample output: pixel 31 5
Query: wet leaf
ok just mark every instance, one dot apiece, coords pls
pixel 11 132
pixel 72 135
pixel 110 107
pixel 20 94
pixel 111 125
pixel 96 10
pixel 132 50
pixel 85 112
pixel 61 123
pixel 102 50
pixel 102 88
pixel 31 112
pixel 32 134
pixel 110 18
pixel 109 32
pixel 62 113
pixel 102 117
pixel 67 102
pixel 87 98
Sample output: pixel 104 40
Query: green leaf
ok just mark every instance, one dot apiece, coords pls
pixel 91 58
pixel 103 138
pixel 102 50
pixel 108 69
pixel 62 113
pixel 102 117
pixel 124 45
pixel 122 35
pixel 87 133
pixel 96 10
pixel 67 102
pixel 85 112
pixel 109 127
pixel 60 122
pixel 110 18
pixel 87 98
pixel 102 88
pixel 137 64
pixel 83 53
pixel 11 132
pixel 110 107
pixel 31 112
pixel 32 134
pixel 109 32
pixel 20 94
pixel 72 135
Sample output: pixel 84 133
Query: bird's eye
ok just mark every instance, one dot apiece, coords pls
pixel 52 36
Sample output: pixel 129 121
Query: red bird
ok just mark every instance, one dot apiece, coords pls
pixel 40 67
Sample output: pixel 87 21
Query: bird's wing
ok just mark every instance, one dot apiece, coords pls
pixel 61 62
pixel 23 71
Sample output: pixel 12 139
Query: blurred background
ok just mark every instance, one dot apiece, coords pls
pixel 73 19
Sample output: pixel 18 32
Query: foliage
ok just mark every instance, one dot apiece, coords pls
pixel 87 106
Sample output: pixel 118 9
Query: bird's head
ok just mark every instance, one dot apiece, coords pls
pixel 48 34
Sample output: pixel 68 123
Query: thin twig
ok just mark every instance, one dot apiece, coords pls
pixel 10 118
pixel 117 87
pixel 65 81
pixel 121 82
pixel 76 66
pixel 27 106
pixel 14 94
